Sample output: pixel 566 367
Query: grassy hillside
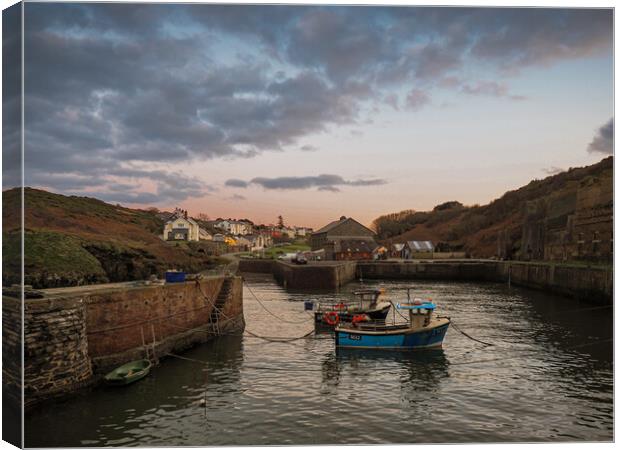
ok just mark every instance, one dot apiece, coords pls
pixel 475 228
pixel 78 240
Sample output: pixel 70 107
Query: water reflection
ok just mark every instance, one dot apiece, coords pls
pixel 534 384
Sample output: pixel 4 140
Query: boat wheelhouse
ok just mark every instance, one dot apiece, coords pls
pixel 366 304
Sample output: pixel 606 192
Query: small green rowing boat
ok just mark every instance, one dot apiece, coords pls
pixel 128 373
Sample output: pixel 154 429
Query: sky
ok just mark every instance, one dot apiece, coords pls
pixel 309 112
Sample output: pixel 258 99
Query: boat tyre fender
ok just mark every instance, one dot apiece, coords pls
pixel 331 318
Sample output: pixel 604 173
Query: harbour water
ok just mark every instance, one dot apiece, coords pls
pixel 548 377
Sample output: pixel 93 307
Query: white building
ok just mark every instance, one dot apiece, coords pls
pixel 204 235
pixel 181 229
pixel 234 227
pixel 289 232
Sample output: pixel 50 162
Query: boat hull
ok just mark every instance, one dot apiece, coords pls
pixel 407 339
pixel 128 373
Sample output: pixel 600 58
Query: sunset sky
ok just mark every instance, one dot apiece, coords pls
pixel 310 112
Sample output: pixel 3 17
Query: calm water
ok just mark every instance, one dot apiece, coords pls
pixel 538 383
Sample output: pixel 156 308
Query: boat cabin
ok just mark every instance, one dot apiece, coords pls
pixel 420 312
pixel 367 297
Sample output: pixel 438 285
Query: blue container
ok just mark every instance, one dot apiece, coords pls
pixel 308 305
pixel 175 277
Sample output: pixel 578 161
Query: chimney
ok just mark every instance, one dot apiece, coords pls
pixel 186 213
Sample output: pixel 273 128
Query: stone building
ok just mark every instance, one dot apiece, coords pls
pixel 575 224
pixel 344 238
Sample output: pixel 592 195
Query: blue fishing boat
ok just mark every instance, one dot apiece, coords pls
pixel 422 331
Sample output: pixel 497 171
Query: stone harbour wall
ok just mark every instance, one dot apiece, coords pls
pixel 321 275
pixel 256 265
pixel 12 350
pixel 75 335
pixel 464 270
pixel 56 356
pixel 593 284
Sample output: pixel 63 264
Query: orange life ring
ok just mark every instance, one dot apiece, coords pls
pixel 331 318
pixel 360 318
pixel 341 306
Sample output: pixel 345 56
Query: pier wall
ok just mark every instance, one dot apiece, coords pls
pixel 74 335
pixel 588 283
pixel 256 265
pixel 418 270
pixel 324 275
pixel 12 351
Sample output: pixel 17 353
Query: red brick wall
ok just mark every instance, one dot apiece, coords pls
pixel 115 321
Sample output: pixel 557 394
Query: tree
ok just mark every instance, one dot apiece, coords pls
pixel 280 221
pixel 203 216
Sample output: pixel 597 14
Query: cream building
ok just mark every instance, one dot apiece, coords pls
pixel 181 229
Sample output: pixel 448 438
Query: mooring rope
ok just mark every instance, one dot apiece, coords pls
pixel 268 311
pixel 266 338
pixel 281 368
pixel 488 344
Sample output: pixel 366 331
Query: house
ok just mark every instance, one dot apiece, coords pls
pixel 397 250
pixel 243 243
pixel 181 228
pixel 259 241
pixel 204 235
pixel 413 247
pixel 357 240
pixel 302 231
pixel 289 232
pixel 234 227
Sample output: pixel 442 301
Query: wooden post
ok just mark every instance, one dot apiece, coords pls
pixel 153 344
pixel 146 351
pixel 509 270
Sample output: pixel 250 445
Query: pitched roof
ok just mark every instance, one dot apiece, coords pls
pixel 176 217
pixel 330 226
pixel 421 245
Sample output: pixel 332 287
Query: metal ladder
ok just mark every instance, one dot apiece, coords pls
pixel 220 302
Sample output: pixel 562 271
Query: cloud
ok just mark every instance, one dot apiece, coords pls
pixel 112 85
pixel 323 182
pixel 490 88
pixel 236 197
pixel 308 148
pixel 603 141
pixel 416 99
pixel 233 182
pixel 328 189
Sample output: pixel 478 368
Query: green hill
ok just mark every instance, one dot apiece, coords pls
pixel 476 229
pixel 72 240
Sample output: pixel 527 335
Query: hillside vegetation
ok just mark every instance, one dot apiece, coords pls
pixel 475 229
pixel 73 240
